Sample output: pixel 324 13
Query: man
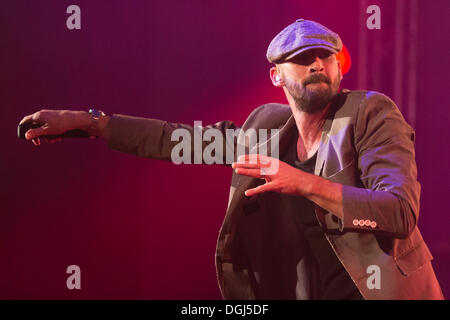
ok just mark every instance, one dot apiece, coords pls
pixel 338 219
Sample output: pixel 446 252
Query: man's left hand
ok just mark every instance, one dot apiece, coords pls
pixel 280 177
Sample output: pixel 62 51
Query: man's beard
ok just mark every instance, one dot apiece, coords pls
pixel 313 100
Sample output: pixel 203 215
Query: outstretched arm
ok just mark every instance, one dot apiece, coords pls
pixel 143 137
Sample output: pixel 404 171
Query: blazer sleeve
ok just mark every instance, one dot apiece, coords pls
pixel 152 138
pixel 390 199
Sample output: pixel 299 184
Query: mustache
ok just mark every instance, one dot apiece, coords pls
pixel 315 78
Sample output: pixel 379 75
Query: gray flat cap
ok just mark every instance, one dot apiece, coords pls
pixel 300 36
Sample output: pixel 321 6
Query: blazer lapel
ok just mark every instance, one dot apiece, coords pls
pixel 323 153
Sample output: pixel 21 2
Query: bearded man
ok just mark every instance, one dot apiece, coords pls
pixel 338 219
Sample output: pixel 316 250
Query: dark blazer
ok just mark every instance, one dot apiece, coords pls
pixel 367 146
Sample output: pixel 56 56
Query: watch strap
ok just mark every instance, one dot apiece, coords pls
pixel 95 118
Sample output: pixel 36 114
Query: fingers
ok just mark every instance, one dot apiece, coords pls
pixel 252 161
pixel 258 165
pixel 34 133
pixel 37 116
pixel 254 158
pixel 26 119
pixel 260 189
pixel 36 142
pixel 255 173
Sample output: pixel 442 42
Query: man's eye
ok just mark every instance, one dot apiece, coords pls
pixel 325 55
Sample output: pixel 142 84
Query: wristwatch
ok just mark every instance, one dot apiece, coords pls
pixel 95 117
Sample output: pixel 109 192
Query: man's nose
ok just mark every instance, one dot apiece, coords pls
pixel 316 66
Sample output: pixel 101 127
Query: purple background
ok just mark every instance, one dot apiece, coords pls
pixel 147 229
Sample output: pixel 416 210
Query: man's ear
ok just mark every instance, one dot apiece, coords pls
pixel 276 77
pixel 339 66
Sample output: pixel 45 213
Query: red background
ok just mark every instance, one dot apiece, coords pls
pixel 146 229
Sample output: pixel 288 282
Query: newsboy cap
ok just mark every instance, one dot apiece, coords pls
pixel 300 36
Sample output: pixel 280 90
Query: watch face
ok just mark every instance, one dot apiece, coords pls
pixel 96 113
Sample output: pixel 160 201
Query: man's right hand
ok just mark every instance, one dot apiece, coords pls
pixel 55 122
